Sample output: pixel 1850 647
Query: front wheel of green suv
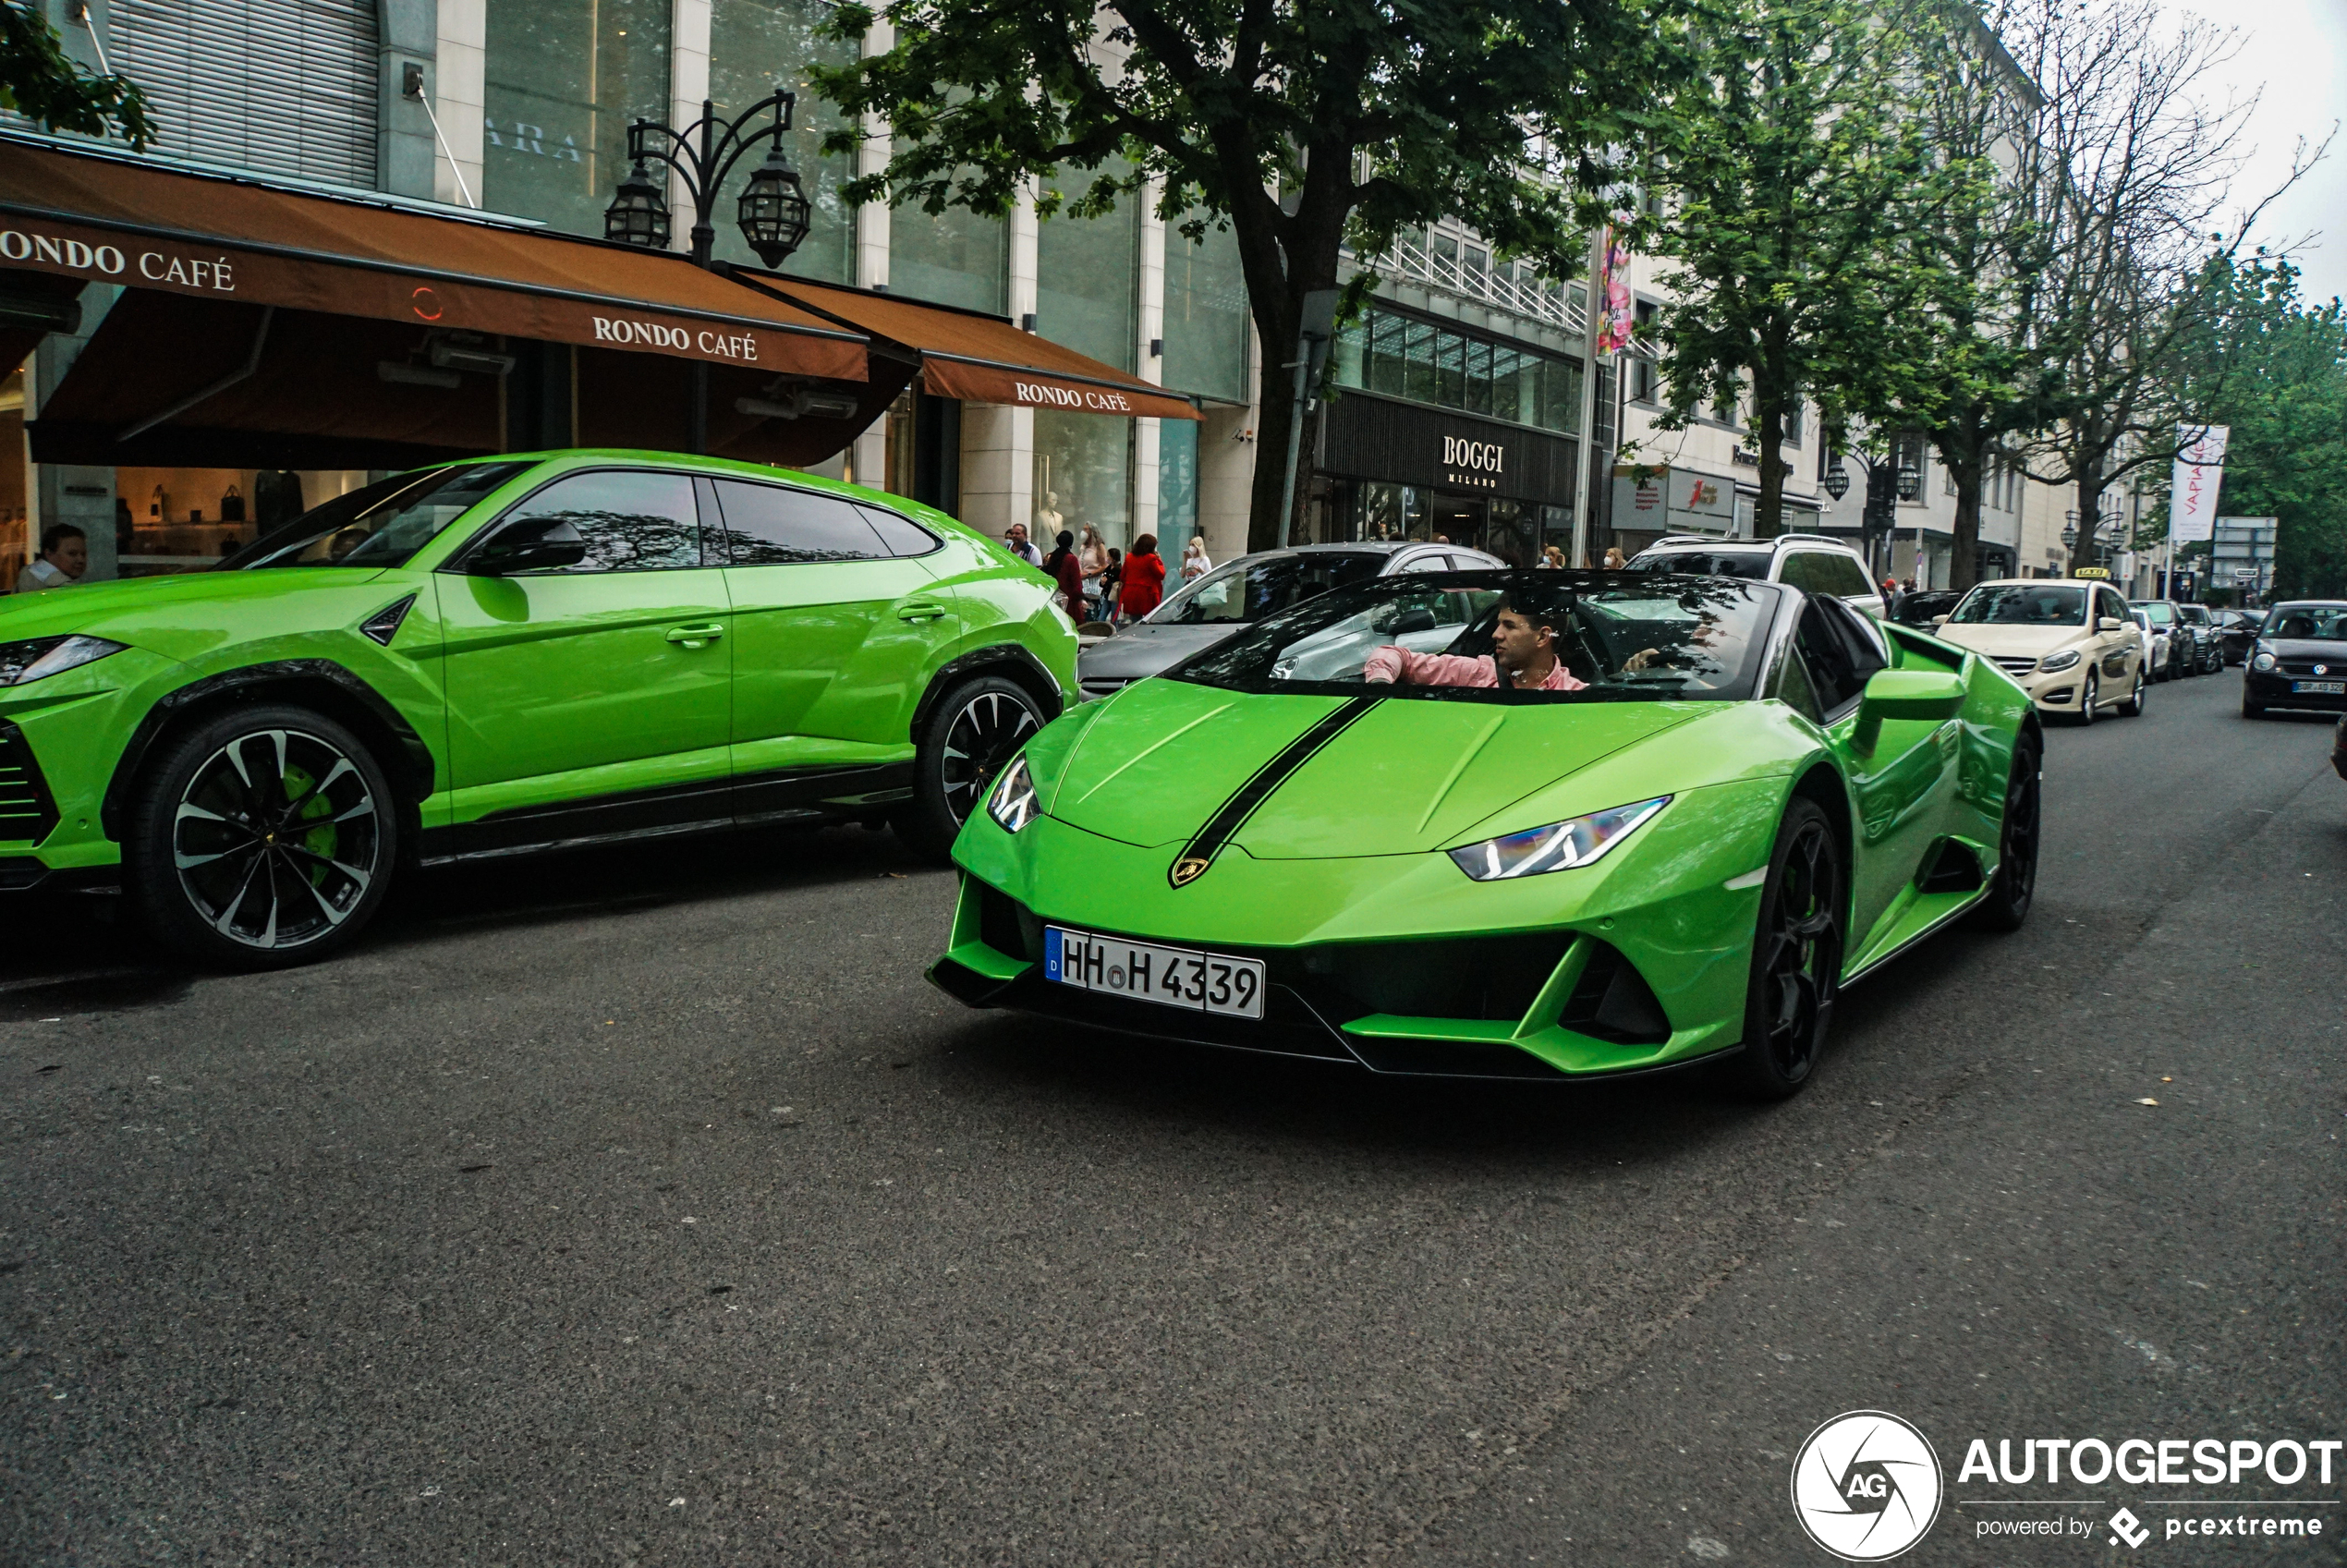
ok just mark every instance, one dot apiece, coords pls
pixel 967 739
pixel 265 837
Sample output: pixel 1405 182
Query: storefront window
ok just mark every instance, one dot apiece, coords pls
pixel 755 47
pixel 954 258
pixel 184 519
pixel 1176 488
pixel 1083 474
pixel 562 80
pixel 1085 274
pixel 1403 357
pixel 1393 512
pixel 1206 316
pixel 16 550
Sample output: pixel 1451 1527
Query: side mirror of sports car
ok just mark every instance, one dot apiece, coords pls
pixel 530 544
pixel 1928 695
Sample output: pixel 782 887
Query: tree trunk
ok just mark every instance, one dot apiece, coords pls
pixel 1963 453
pixel 2090 488
pixel 1767 514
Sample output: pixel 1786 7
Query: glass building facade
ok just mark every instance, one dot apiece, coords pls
pixel 1087 272
pixel 755 48
pixel 1206 315
pixel 562 79
pixel 1428 362
pixel 956 257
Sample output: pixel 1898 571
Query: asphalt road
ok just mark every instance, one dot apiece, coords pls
pixel 652 1210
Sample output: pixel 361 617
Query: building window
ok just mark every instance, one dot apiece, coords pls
pixel 1907 451
pixel 1645 384
pixel 1085 270
pixel 956 257
pixel 1423 362
pixel 1083 474
pixel 750 44
pixel 1206 316
pixel 218 84
pixel 1176 490
pixel 562 79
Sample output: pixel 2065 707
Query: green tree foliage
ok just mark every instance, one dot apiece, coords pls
pixel 1792 169
pixel 2278 373
pixel 1304 125
pixel 39 80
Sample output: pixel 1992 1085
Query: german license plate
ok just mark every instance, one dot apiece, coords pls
pixel 2321 688
pixel 1173 977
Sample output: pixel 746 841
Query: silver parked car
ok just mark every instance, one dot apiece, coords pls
pixel 1203 613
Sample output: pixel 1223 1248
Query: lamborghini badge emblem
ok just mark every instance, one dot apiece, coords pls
pixel 1189 869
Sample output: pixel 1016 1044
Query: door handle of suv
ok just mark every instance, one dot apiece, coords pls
pixel 920 611
pixel 696 637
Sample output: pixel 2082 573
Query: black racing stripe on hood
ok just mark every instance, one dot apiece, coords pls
pixel 1199 853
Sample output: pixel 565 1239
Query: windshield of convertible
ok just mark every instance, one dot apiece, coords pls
pixel 1507 637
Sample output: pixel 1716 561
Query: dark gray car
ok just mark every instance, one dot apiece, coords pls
pixel 1203 613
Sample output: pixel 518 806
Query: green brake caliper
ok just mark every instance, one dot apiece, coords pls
pixel 321 840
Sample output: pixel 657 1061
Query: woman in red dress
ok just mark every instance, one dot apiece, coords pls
pixel 1144 583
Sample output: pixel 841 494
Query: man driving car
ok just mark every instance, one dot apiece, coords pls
pixel 1522 647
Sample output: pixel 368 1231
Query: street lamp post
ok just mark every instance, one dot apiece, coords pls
pixel 774 212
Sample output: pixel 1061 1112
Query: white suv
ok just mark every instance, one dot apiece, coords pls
pixel 1810 562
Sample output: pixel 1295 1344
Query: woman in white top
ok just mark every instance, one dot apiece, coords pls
pixel 1091 557
pixel 1194 562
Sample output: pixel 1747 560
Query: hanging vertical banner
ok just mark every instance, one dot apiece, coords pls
pixel 2191 493
pixel 1615 314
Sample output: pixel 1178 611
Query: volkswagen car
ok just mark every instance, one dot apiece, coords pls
pixel 482 659
pixel 2299 660
pixel 1743 799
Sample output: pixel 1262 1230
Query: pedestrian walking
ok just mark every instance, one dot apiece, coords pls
pixel 1194 562
pixel 1552 558
pixel 64 556
pixel 1014 540
pixel 1091 557
pixel 1614 558
pixel 1144 582
pixel 1111 576
pixel 1062 566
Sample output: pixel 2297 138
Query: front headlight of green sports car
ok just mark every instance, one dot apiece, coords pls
pixel 41 657
pixel 2062 661
pixel 1559 846
pixel 1013 802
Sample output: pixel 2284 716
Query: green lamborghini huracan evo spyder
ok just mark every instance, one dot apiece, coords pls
pixel 516 654
pixel 1348 834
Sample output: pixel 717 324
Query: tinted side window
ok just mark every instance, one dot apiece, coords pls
pixel 1843 576
pixel 631 521
pixel 902 535
pixel 1866 653
pixel 1796 573
pixel 767 525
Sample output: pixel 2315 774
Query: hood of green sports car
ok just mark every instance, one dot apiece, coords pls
pixel 198 604
pixel 1406 775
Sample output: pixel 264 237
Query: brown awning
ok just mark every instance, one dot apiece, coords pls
pixel 112 219
pixel 983 358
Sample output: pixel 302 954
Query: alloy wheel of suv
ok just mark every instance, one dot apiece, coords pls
pixel 969 737
pixel 265 837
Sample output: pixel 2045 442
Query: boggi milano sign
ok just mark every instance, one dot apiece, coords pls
pixel 1473 465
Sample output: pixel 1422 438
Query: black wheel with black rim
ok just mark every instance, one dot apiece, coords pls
pixel 2010 891
pixel 970 735
pixel 2090 695
pixel 1797 957
pixel 262 838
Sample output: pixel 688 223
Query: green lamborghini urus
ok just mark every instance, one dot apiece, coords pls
pixel 1535 825
pixel 493 657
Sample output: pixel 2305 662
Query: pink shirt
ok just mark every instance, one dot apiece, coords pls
pixel 1391 664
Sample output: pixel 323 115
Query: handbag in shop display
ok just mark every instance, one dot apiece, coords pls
pixel 232 505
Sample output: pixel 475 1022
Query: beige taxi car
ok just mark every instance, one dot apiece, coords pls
pixel 2068 642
